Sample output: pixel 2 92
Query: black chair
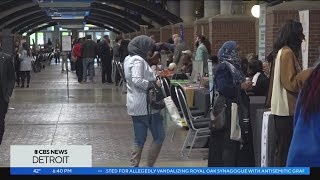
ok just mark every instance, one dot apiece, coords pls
pixel 199 125
pixel 122 81
pixel 166 86
pixel 194 110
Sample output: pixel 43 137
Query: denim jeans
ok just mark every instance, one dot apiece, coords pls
pixel 88 64
pixel 64 64
pixel 141 125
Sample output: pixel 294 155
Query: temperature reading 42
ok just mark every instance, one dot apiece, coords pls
pixel 36 171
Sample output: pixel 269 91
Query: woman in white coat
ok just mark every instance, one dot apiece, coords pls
pixel 25 65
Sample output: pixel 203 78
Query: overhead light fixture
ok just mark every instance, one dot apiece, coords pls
pixel 86 28
pixel 62 29
pixel 91 25
pixel 56 14
pixel 255 11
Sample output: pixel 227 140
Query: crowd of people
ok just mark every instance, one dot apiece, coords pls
pixel 292 93
pixel 86 51
pixel 236 77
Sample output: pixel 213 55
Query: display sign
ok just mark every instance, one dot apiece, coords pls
pixel 66 43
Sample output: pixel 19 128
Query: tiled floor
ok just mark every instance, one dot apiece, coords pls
pixel 93 114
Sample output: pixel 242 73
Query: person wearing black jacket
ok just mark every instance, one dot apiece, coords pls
pixel 106 60
pixel 89 51
pixel 17 66
pixel 7 81
pixel 260 81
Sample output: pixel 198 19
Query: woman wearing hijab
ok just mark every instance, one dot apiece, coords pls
pixel 231 83
pixel 140 77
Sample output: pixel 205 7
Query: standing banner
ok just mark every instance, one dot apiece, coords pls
pixel 262 32
pixel 181 32
pixel 264 139
pixel 210 79
pixel 66 44
pixel 304 19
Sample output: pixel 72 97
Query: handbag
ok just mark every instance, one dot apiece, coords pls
pixel 218 112
pixel 155 97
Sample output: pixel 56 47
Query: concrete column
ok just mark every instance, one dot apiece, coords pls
pixel 75 34
pixel 174 7
pixel 187 10
pixel 211 8
pixel 7 41
pixel 112 37
pixel 56 35
pixel 237 7
pixel 231 7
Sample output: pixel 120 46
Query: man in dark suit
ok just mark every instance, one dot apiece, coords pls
pixel 7 81
pixel 106 59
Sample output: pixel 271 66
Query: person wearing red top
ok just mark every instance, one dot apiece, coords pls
pixel 77 53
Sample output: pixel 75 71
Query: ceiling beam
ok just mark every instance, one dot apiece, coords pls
pixel 110 23
pixel 120 21
pixel 102 26
pixel 148 6
pixel 15 18
pixel 64 4
pixel 141 10
pixel 25 18
pixel 3 2
pixel 120 12
pixel 35 24
pixel 29 23
pixel 33 30
pixel 17 9
pixel 115 17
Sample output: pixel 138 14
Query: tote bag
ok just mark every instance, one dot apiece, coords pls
pixel 235 133
pixel 172 111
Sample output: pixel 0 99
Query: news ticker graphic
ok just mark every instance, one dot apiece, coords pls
pixel 161 171
pixel 50 156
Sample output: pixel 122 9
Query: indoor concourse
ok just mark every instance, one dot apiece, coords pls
pixel 74 70
pixel 94 114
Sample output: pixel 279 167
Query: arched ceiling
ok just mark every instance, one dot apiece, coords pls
pixel 115 15
pixel 20 15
